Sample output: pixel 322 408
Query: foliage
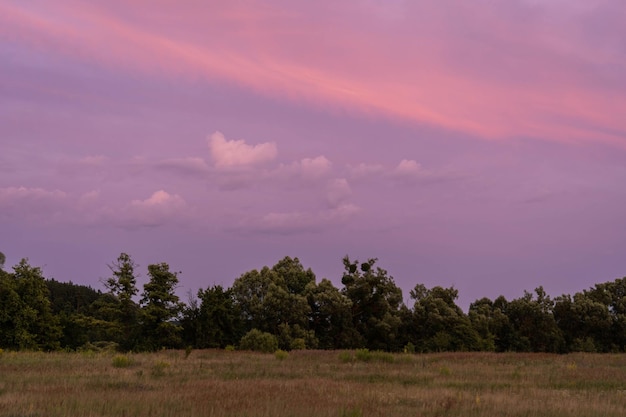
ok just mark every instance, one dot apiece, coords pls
pixel 281 355
pixel 375 302
pixel 161 307
pixel 122 361
pixel 259 341
pixel 283 307
pixel 26 317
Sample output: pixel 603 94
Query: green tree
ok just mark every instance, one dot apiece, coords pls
pixel 376 303
pixel 73 304
pixel 331 317
pixel 272 300
pixel 613 295
pixel 293 274
pixel 122 285
pixel 2 260
pixel 586 324
pixel 215 322
pixel 161 309
pixel 533 323
pixel 439 324
pixel 26 318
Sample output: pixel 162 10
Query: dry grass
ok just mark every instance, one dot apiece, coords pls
pixel 311 383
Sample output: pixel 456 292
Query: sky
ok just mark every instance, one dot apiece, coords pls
pixel 480 145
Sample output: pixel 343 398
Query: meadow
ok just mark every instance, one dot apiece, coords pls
pixel 310 383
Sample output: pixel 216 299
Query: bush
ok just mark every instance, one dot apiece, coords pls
pixel 297 344
pixel 281 354
pixel 259 341
pixel 363 355
pixel 159 368
pixel 229 348
pixel 346 357
pixel 122 361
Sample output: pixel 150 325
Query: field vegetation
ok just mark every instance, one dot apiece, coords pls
pixel 311 383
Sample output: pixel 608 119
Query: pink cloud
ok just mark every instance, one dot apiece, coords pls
pixel 236 153
pixel 314 168
pixel 515 68
pixel 158 209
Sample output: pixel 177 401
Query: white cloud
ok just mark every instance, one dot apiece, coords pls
pixel 338 191
pixel 236 153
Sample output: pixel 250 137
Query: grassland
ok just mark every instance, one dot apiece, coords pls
pixel 311 383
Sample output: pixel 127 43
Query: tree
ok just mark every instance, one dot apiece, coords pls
pixel 2 260
pixel 439 324
pixel 586 324
pixel 533 323
pixel 293 274
pixel 331 317
pixel 26 318
pixel 375 301
pixel 273 301
pixel 123 286
pixel 215 322
pixel 161 309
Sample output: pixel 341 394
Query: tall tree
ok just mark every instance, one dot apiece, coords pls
pixel 26 318
pixel 215 322
pixel 331 317
pixel 375 301
pixel 439 323
pixel 123 286
pixel 161 309
pixel 273 301
pixel 533 322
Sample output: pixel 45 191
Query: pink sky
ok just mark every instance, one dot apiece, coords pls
pixel 476 144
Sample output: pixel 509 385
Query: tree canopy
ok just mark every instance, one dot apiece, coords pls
pixel 284 306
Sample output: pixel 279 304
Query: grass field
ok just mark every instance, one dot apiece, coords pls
pixel 311 383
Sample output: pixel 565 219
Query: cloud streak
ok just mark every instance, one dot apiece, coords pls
pixel 495 70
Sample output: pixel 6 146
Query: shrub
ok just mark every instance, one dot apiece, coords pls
pixel 363 355
pixel 229 348
pixel 122 361
pixel 281 354
pixel 259 341
pixel 159 368
pixel 188 351
pixel 297 344
pixel 409 348
pixel 380 356
pixel 346 357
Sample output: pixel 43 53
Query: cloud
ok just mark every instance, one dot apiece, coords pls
pixel 477 68
pixel 314 168
pixel 24 202
pixel 158 209
pixel 192 166
pixel 236 153
pixel 338 191
pixel 364 170
pixel 407 168
pixel 287 223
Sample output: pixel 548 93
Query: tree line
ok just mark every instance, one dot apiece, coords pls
pixel 284 307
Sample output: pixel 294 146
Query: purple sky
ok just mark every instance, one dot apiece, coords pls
pixel 480 145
